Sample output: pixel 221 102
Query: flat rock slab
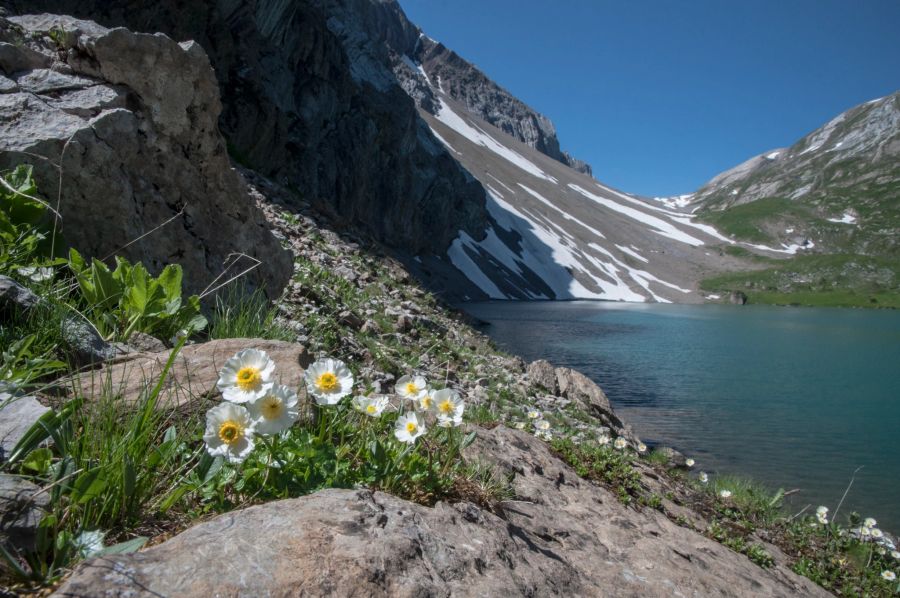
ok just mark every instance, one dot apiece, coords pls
pixel 16 416
pixel 193 374
pixel 563 536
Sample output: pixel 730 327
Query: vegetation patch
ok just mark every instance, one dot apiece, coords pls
pixel 818 280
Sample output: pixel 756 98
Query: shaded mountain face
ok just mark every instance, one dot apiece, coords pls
pixel 310 100
pixel 838 187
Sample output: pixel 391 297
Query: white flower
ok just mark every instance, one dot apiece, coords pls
pixel 425 402
pixel 620 443
pixel 534 414
pixel 870 523
pixel 895 554
pixel 329 381
pixel 603 440
pixel 449 407
pixel 409 427
pixel 542 424
pixel 519 425
pixel 36 274
pixel 411 388
pixel 822 518
pixel 689 462
pixel 275 412
pixel 877 533
pixel 229 432
pixel 641 447
pixel 881 550
pixel 888 575
pixel 822 511
pixel 725 493
pixel 247 376
pixel 372 406
pixel 865 532
pixel 544 435
pixel 703 477
pixel 88 543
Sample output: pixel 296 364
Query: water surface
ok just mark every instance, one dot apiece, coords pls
pixel 797 398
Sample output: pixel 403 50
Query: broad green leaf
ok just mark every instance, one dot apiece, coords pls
pixel 170 281
pixel 38 460
pixel 88 486
pixel 127 546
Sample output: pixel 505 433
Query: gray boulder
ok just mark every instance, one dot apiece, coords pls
pixel 562 536
pixel 22 506
pixel 132 119
pixel 17 414
pixel 13 295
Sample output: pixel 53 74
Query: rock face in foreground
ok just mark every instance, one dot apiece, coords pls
pixel 133 120
pixel 562 536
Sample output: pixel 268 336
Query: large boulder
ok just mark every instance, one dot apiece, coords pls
pixel 194 372
pixel 131 118
pixel 562 536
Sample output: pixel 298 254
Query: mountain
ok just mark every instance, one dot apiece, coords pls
pixel 838 187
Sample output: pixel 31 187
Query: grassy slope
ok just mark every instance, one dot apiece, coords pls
pixel 842 280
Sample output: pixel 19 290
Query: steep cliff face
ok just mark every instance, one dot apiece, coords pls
pixel 313 103
pixel 136 154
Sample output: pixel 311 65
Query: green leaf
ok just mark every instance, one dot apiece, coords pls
pixel 48 424
pixel 127 546
pixel 88 486
pixel 469 439
pixel 38 460
pixel 170 281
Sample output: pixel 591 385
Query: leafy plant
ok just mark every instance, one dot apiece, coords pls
pixel 128 299
pixel 20 367
pixel 26 236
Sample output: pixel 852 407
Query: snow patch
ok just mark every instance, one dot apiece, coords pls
pixel 633 254
pixel 465 264
pixel 772 156
pixel 444 141
pixel 845 219
pixel 791 249
pixel 479 137
pixel 565 215
pixel 660 226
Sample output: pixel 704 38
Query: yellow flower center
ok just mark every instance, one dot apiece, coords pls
pixel 445 407
pixel 271 407
pixel 411 388
pixel 327 381
pixel 426 402
pixel 231 432
pixel 371 409
pixel 411 427
pixel 249 378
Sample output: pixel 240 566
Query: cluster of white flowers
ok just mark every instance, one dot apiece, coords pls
pixel 726 494
pixel 254 405
pixel 537 424
pixel 822 515
pixel 446 407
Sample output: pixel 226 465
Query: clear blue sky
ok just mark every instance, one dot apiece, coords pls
pixel 659 96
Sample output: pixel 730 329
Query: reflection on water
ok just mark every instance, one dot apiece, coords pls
pixel 798 398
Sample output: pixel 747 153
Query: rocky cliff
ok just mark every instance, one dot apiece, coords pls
pixel 121 129
pixel 313 103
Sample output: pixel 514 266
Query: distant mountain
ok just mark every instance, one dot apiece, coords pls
pixel 838 187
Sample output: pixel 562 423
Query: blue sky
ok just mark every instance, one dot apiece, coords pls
pixel 660 96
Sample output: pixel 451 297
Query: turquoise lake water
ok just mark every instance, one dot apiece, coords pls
pixel 793 397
